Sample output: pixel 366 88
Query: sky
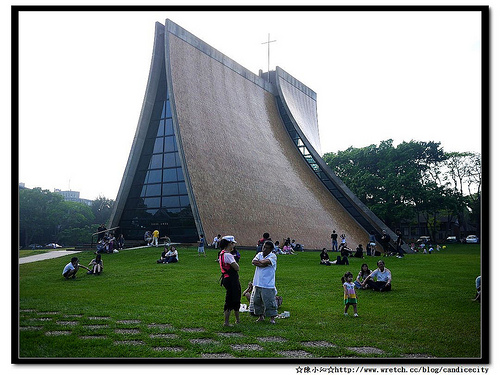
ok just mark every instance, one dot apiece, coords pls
pixel 378 75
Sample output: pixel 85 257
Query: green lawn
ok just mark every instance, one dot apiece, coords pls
pixel 138 308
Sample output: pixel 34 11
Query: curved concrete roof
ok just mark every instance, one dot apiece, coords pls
pixel 246 175
pixel 301 102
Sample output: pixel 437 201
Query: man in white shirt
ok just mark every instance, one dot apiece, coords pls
pixel 383 276
pixel 264 299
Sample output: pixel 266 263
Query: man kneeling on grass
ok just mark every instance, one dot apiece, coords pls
pixel 71 268
pixel 264 298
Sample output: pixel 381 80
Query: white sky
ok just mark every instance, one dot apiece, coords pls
pixel 378 75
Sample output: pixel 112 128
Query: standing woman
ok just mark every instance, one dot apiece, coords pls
pixel 230 279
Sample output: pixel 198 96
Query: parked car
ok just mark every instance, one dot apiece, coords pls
pixel 424 240
pixel 452 239
pixel 53 246
pixel 472 239
pixel 35 246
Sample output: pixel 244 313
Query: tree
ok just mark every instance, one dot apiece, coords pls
pixel 101 207
pixel 388 179
pixel 44 217
pixel 36 214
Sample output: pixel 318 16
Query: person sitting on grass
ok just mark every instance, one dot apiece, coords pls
pixel 172 256
pixel 383 277
pixel 71 268
pixel 324 258
pixel 96 264
pixel 359 251
pixel 362 275
pixel 163 256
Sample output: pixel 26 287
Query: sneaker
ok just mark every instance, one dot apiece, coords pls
pixel 355 315
pixel 346 314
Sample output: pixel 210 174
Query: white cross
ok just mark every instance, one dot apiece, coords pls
pixel 269 41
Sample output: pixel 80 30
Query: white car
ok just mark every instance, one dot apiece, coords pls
pixel 53 246
pixel 472 239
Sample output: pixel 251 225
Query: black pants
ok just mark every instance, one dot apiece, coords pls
pixel 233 292
pixel 379 286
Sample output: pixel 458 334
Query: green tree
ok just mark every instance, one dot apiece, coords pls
pixel 37 218
pixel 101 207
pixel 388 179
pixel 45 217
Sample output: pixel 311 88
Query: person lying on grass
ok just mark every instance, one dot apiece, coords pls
pixel 71 268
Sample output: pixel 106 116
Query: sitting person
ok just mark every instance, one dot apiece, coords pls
pixel 383 278
pixel 369 250
pixel 362 275
pixel 277 249
pixel 344 250
pixel 248 291
pixel 163 256
pixel 296 246
pixel 71 268
pixel 172 256
pixel 324 258
pixel 287 248
pixel 359 251
pixel 96 264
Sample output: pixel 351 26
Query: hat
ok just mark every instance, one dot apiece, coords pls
pixel 229 238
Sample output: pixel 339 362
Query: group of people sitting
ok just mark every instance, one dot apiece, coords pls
pixel 109 244
pixel 289 246
pixel 169 255
pixel 379 280
pixel 70 270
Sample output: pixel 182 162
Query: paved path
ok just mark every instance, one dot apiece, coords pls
pixel 48 255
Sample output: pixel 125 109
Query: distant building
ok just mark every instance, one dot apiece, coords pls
pixel 73 196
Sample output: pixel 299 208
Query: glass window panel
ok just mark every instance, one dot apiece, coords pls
pixel 151 190
pixel 184 199
pixel 169 111
pixel 158 147
pixel 170 189
pixel 180 175
pixel 152 202
pixel 170 160
pixel 155 162
pixel 170 144
pixel 169 127
pixel 170 175
pixel 164 111
pixel 182 188
pixel 170 201
pixel 153 176
pixel 173 211
pixel 152 212
pixel 161 128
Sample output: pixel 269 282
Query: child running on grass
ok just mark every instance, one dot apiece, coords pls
pixel 350 297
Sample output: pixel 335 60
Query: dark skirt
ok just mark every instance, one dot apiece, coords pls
pixel 233 292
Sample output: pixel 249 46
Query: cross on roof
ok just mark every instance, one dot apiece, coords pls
pixel 269 41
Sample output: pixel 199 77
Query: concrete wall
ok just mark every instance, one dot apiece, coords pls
pixel 246 175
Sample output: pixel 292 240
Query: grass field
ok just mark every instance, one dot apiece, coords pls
pixel 140 309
